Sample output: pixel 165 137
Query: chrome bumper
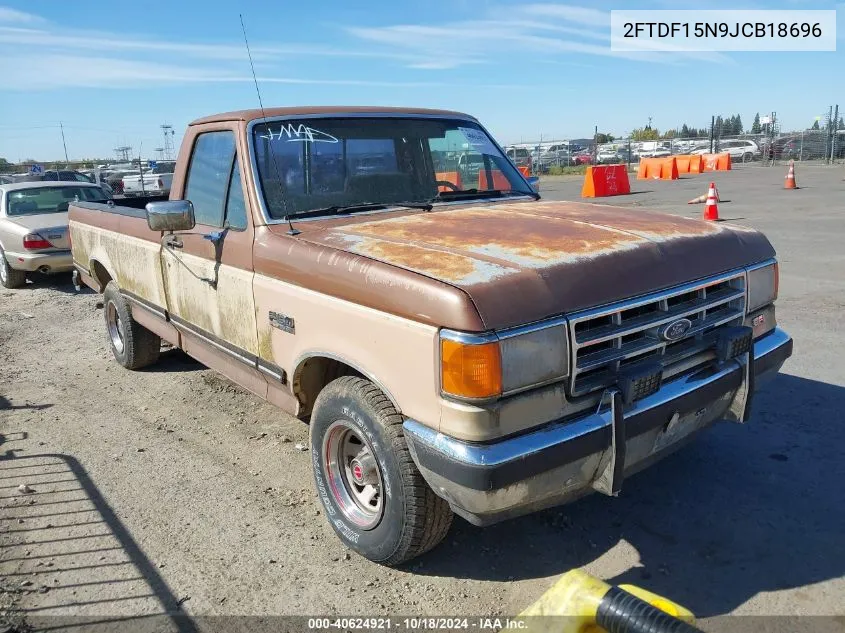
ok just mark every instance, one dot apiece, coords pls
pixel 56 261
pixel 563 460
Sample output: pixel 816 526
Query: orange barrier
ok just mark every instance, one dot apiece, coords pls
pixel 658 169
pixel 649 168
pixel 683 163
pixel 605 180
pixel 500 181
pixel 669 169
pixel 695 164
pixel 716 162
pixel 524 170
pixel 449 176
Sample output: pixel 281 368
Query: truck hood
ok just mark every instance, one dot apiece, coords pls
pixel 526 261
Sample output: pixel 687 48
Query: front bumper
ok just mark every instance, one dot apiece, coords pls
pixel 564 460
pixel 55 261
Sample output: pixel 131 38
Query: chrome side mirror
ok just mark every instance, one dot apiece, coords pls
pixel 170 215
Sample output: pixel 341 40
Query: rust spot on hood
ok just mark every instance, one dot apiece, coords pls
pixel 472 245
pixel 454 267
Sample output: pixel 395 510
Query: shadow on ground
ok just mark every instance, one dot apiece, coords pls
pixel 67 560
pixel 745 509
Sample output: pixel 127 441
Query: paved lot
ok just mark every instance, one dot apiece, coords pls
pixel 172 489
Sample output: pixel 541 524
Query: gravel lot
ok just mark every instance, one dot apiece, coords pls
pixel 173 490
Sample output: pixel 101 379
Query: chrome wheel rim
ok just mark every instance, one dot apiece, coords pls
pixel 353 474
pixel 4 272
pixel 115 327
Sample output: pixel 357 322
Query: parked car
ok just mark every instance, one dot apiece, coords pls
pixel 741 149
pixel 520 156
pixel 65 175
pixel 583 159
pixel 156 181
pixel 33 227
pixel 444 346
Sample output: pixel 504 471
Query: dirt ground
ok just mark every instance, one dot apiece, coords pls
pixel 172 490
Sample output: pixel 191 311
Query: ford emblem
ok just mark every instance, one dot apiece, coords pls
pixel 676 329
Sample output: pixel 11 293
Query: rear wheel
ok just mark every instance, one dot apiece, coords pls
pixel 133 345
pixel 9 277
pixel 374 497
pixel 747 157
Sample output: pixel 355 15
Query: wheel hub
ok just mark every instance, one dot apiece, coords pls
pixel 353 474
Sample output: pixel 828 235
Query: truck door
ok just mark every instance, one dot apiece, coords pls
pixel 208 271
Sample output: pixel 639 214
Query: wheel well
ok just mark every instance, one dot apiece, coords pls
pixel 100 274
pixel 313 374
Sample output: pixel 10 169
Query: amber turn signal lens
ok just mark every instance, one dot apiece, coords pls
pixel 471 371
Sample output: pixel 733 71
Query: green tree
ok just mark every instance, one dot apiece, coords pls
pixel 685 131
pixel 841 125
pixel 755 127
pixel 815 125
pixel 604 137
pixel 739 128
pixel 645 134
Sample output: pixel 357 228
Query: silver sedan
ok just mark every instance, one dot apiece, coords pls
pixel 33 227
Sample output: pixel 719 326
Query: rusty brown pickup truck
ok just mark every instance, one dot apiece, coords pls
pixel 456 343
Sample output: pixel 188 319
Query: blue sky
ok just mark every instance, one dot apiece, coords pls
pixel 113 72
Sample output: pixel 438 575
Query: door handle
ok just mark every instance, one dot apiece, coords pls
pixel 173 242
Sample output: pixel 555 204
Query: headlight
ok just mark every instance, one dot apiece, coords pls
pixel 490 365
pixel 762 285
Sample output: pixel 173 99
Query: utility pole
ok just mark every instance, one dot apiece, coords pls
pixel 834 128
pixel 712 130
pixel 62 128
pixel 168 132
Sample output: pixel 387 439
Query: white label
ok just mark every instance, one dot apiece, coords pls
pixel 680 30
pixel 479 140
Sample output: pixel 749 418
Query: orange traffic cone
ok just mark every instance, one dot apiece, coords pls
pixel 703 198
pixel 789 183
pixel 711 211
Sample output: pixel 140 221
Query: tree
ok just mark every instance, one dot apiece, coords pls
pixel 4 164
pixel 815 125
pixel 755 127
pixel 841 125
pixel 685 132
pixel 604 137
pixel 645 134
pixel 738 127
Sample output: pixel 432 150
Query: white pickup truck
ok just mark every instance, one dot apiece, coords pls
pixel 156 181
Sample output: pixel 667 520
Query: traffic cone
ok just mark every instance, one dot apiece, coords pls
pixel 789 183
pixel 703 198
pixel 711 211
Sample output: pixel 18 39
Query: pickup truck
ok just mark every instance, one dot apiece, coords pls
pixel 455 349
pixel 155 182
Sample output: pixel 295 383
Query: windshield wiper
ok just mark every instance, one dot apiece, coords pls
pixel 484 193
pixel 355 208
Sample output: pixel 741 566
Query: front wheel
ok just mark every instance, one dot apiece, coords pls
pixel 747 157
pixel 374 497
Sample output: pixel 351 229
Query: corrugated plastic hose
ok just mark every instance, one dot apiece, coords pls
pixel 622 612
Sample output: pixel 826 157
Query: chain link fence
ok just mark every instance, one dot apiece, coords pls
pixel 822 146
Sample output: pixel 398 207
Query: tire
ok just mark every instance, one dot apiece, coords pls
pixel 133 345
pixel 9 277
pixel 747 157
pixel 406 518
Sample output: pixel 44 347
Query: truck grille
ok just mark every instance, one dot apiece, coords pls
pixel 606 340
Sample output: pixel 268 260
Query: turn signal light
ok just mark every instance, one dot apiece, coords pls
pixel 34 242
pixel 471 371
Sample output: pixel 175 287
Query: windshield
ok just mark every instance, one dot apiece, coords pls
pixel 40 200
pixel 311 164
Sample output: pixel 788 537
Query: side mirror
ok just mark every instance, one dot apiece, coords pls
pixel 170 215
